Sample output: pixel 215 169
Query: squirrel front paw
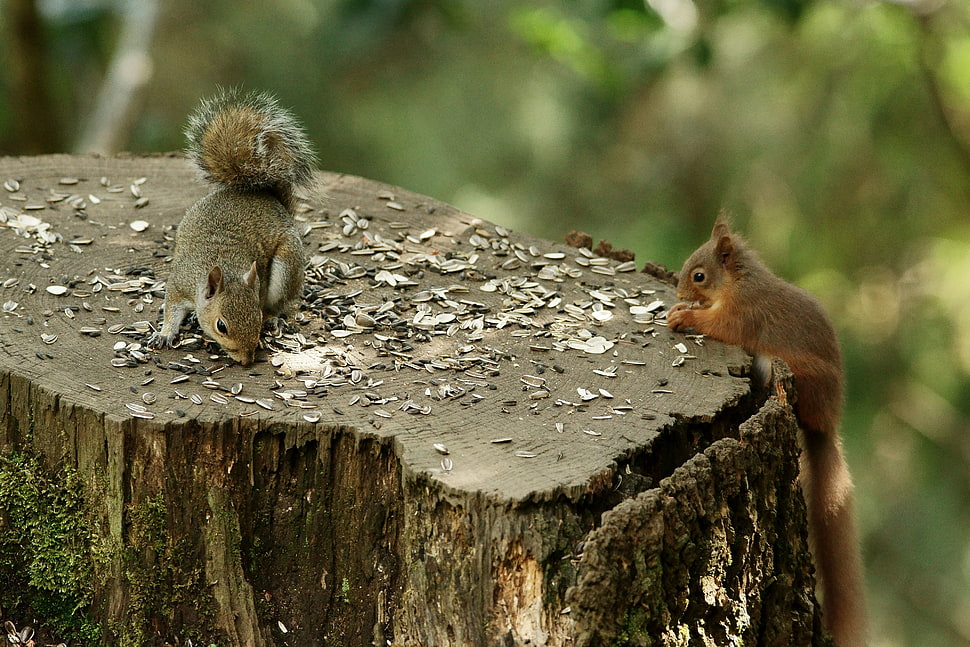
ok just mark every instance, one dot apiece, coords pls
pixel 680 317
pixel 274 326
pixel 158 340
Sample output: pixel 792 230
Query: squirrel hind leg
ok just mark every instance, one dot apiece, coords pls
pixel 285 280
pixel 277 287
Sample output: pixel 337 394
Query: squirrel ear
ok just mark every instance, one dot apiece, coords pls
pixel 249 278
pixel 724 251
pixel 214 284
pixel 722 226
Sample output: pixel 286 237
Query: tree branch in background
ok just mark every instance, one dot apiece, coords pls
pixel 107 127
pixel 36 127
pixel 931 47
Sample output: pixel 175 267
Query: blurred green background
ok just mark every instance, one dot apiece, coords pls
pixel 838 132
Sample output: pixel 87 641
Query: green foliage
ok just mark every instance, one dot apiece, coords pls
pixel 46 546
pixel 564 39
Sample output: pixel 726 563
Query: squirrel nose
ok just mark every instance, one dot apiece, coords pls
pixel 244 357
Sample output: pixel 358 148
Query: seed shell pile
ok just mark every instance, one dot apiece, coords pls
pixel 398 317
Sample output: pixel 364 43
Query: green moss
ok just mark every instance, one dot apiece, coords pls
pixel 48 546
pixel 145 537
pixel 255 552
pixel 155 569
pixel 635 630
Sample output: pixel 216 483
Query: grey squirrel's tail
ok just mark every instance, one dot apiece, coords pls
pixel 250 142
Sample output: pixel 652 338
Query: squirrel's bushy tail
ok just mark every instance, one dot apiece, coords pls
pixel 249 141
pixel 833 538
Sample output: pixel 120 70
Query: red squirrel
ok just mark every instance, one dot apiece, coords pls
pixel 728 294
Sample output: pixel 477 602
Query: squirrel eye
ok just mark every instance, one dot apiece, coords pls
pixel 698 277
pixel 221 327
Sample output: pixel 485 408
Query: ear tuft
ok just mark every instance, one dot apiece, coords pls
pixel 722 226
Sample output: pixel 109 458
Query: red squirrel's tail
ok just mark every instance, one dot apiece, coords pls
pixel 832 535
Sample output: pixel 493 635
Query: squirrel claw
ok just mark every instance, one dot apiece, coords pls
pixel 679 317
pixel 274 326
pixel 158 341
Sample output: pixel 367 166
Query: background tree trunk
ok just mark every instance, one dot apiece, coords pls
pixel 439 450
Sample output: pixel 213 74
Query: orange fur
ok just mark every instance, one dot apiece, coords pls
pixel 728 294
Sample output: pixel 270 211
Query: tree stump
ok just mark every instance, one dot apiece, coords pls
pixel 466 436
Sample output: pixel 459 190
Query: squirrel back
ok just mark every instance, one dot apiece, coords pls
pixel 239 258
pixel 751 307
pixel 249 142
pixel 728 294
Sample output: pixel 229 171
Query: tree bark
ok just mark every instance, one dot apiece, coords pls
pixel 456 463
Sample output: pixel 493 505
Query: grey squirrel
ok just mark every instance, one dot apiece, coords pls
pixel 238 256
pixel 728 294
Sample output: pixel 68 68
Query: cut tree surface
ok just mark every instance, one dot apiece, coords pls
pixel 415 457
